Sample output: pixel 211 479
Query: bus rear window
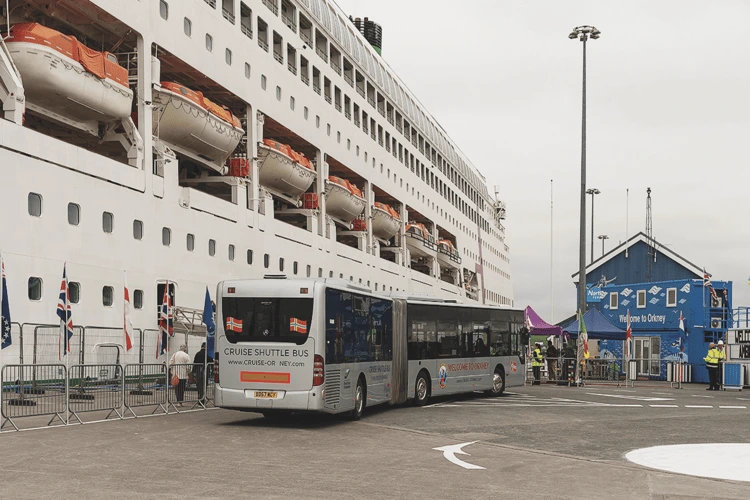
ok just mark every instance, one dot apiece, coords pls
pixel 257 319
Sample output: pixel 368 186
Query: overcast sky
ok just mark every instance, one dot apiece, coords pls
pixel 668 107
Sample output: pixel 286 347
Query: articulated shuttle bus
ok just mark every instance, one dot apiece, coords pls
pixel 332 346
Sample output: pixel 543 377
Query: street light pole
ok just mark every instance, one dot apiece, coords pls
pixel 602 237
pixel 593 192
pixel 583 33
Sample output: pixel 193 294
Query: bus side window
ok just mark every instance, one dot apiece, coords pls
pixel 500 340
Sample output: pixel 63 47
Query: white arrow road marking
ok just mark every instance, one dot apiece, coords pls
pixel 450 451
pixel 638 398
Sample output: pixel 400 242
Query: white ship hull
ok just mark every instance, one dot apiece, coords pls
pixel 281 174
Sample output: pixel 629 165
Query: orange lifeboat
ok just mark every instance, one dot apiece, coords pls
pixel 194 125
pixel 447 254
pixel 344 200
pixel 385 221
pixel 64 77
pixel 419 241
pixel 283 171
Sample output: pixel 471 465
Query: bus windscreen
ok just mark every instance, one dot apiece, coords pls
pixel 258 319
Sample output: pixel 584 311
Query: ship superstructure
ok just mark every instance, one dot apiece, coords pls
pixel 193 141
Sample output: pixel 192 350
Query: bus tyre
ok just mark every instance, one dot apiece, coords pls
pixel 360 394
pixel 422 390
pixel 498 382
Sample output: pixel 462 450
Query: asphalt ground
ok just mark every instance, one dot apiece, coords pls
pixel 535 442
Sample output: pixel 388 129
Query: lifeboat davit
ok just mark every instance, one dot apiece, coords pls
pixel 193 125
pixel 344 201
pixel 284 171
pixel 385 221
pixel 63 76
pixel 447 254
pixel 419 240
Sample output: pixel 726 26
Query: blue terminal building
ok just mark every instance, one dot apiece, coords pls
pixel 657 287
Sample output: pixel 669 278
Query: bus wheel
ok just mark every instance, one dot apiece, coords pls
pixel 359 401
pixel 498 382
pixel 422 390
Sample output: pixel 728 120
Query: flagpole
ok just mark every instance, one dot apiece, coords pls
pixel 551 253
pixel 2 325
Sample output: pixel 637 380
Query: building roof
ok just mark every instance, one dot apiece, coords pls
pixel 642 238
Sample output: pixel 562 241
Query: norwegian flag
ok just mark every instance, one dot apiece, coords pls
pixel 234 325
pixel 297 325
pixel 166 328
pixel 127 320
pixel 65 315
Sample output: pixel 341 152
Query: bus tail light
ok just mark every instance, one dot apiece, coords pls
pixel 216 367
pixel 318 370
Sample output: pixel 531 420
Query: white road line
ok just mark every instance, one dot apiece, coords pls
pixel 698 406
pixel 699 396
pixel 664 406
pixel 737 407
pixel 638 398
pixel 662 393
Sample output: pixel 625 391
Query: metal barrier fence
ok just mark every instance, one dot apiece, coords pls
pixel 191 386
pixel 33 390
pixel 145 385
pixel 95 387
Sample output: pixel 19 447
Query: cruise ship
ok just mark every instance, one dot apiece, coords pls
pixel 192 141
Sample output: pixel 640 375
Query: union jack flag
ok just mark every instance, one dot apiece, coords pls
pixel 234 324
pixel 297 325
pixel 707 283
pixel 166 324
pixel 65 315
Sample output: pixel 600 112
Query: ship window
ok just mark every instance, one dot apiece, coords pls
pixel 35 288
pixel 108 222
pixel 35 204
pixel 278 93
pixel 166 236
pixel 228 56
pixel 357 150
pixel 211 247
pixel 250 257
pixel 306 113
pixel 74 214
pixel 247 70
pixel 137 229
pixel 291 102
pixel 263 82
pixel 108 296
pixel 317 121
pixel 231 253
pixel 295 267
pixel 348 144
pixel 163 9
pixel 309 271
pixel 266 259
pixel 190 242
pixel 138 299
pixel 74 291
pixel 338 137
pixel 328 129
pixel 187 25
pixel 281 263
pixel 320 272
pixel 209 43
pixel 330 274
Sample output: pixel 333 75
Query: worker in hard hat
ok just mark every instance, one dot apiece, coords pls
pixel 712 359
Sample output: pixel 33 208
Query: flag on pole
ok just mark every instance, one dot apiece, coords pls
pixel 707 283
pixel 528 323
pixel 628 337
pixel 682 333
pixel 208 320
pixel 585 338
pixel 65 315
pixel 166 328
pixel 127 320
pixel 5 333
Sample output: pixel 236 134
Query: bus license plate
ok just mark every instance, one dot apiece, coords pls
pixel 266 394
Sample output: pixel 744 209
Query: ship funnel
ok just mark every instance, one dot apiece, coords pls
pixel 372 32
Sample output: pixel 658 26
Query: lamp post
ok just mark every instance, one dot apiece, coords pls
pixel 593 192
pixel 602 237
pixel 583 33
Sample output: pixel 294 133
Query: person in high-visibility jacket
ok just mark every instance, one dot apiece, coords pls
pixel 537 361
pixel 712 359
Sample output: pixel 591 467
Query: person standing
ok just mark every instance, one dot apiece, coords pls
pixel 722 358
pixel 712 365
pixel 178 365
pixel 537 361
pixel 199 364
pixel 551 355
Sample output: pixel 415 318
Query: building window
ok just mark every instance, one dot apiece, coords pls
pixel 138 299
pixel 641 299
pixel 163 9
pixel 250 257
pixel 613 300
pixel 108 296
pixel 294 267
pixel 228 56
pixel 166 236
pixel 35 288
pixel 266 261
pixel 108 222
pixel 211 247
pixel 231 253
pixel 74 214
pixel 187 26
pixel 190 242
pixel 247 70
pixel 671 297
pixel 137 229
pixel 281 264
pixel 35 204
pixel 209 43
pixel 74 290
pixel 263 82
